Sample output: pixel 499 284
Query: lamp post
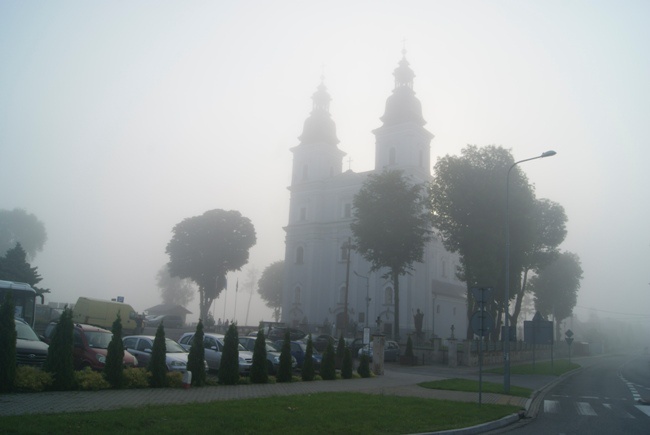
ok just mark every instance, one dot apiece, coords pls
pixel 506 345
pixel 367 295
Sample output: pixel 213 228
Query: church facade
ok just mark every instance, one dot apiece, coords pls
pixel 323 276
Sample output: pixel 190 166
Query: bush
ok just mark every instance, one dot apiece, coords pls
pixel 32 379
pixel 7 344
pixel 307 372
pixel 59 356
pixel 284 372
pixel 409 348
pixel 364 366
pixel 88 379
pixel 340 348
pixel 346 368
pixel 174 379
pixel 136 377
pixel 157 364
pixel 114 369
pixel 259 369
pixel 328 365
pixel 229 367
pixel 196 358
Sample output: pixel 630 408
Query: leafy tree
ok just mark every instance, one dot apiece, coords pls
pixel 391 225
pixel 205 248
pixel 346 368
pixel 114 369
pixel 157 363
pixel 328 364
pixel 284 371
pixel 556 287
pixel 259 369
pixel 196 357
pixel 270 287
pixel 173 290
pixel 59 356
pixel 17 226
pixel 229 367
pixel 14 267
pixel 307 371
pixel 7 344
pixel 364 366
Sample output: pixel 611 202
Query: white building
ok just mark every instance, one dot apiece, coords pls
pixel 320 212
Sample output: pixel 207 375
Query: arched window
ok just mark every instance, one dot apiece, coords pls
pixel 388 296
pixel 296 295
pixel 438 309
pixel 443 266
pixel 300 253
pixel 391 156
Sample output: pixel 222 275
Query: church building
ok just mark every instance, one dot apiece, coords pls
pixel 323 276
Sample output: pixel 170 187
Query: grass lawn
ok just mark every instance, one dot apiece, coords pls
pixel 558 368
pixel 457 384
pixel 322 413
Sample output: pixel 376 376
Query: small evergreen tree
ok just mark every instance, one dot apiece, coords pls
pixel 259 369
pixel 364 366
pixel 340 348
pixel 114 369
pixel 328 365
pixel 59 356
pixel 307 372
pixel 284 372
pixel 346 369
pixel 229 367
pixel 196 358
pixel 7 344
pixel 157 363
pixel 409 348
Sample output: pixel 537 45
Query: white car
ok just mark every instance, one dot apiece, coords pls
pixel 391 351
pixel 213 346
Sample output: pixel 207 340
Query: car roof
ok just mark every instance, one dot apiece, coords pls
pixel 85 327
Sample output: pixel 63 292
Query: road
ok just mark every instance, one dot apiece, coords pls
pixel 602 398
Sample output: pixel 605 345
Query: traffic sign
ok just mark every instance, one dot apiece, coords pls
pixel 569 333
pixel 482 323
pixel 482 295
pixel 569 340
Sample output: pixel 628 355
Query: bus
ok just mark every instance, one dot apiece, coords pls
pixel 24 299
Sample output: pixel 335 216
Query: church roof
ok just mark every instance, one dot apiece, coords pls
pixel 319 127
pixel 402 105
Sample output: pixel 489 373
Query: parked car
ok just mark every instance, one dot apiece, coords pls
pixel 299 351
pixel 30 350
pixel 391 351
pixel 90 346
pixel 320 342
pixel 213 345
pixel 277 333
pixel 141 347
pixel 272 353
pixel 168 320
pixel 355 345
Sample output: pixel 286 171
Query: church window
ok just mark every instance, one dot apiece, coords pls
pixel 300 253
pixel 303 213
pixel 391 156
pixel 438 309
pixel 444 268
pixel 296 295
pixel 305 173
pixel 388 296
pixel 454 310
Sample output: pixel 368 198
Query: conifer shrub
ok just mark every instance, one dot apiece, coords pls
pixel 7 344
pixel 409 348
pixel 59 356
pixel 137 377
pixel 284 372
pixel 346 368
pixel 114 369
pixel 259 369
pixel 196 358
pixel 328 364
pixel 364 366
pixel 88 379
pixel 340 351
pixel 32 379
pixel 229 367
pixel 157 364
pixel 307 372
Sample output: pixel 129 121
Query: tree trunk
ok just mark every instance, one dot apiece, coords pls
pixel 519 297
pixel 396 289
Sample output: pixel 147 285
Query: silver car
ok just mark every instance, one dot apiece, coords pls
pixel 213 347
pixel 142 345
pixel 272 354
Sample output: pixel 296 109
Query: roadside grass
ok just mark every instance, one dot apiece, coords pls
pixel 558 368
pixel 322 413
pixel 457 384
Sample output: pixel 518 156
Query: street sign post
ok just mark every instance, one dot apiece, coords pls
pixel 481 323
pixel 569 340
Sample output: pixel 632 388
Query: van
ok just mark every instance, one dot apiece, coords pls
pixel 103 313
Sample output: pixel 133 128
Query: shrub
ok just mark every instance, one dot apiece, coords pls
pixel 174 379
pixel 364 366
pixel 229 367
pixel 136 377
pixel 409 348
pixel 157 365
pixel 328 365
pixel 32 379
pixel 259 369
pixel 196 358
pixel 59 356
pixel 88 379
pixel 7 344
pixel 114 369
pixel 307 372
pixel 284 372
pixel 346 368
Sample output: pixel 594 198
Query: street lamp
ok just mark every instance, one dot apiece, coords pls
pixel 506 345
pixel 367 295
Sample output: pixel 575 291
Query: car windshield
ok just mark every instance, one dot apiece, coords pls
pixel 98 339
pixel 24 332
pixel 173 347
pixel 271 348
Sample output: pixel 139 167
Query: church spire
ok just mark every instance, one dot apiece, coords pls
pixel 319 126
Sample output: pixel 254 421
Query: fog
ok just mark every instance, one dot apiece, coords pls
pixel 120 119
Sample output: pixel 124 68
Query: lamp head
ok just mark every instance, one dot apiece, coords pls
pixel 548 153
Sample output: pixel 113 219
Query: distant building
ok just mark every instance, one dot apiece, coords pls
pixel 320 213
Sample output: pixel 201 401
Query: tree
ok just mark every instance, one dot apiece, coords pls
pixel 14 267
pixel 468 201
pixel 364 366
pixel 284 371
pixel 259 369
pixel 270 287
pixel 17 226
pixel 114 368
pixel 346 367
pixel 205 248
pixel 328 363
pixel 556 287
pixel 157 364
pixel 229 366
pixel 196 357
pixel 391 225
pixel 173 290
pixel 7 344
pixel 307 371
pixel 59 360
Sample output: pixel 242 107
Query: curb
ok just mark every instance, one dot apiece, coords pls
pixel 532 407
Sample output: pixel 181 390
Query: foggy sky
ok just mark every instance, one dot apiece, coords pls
pixel 120 119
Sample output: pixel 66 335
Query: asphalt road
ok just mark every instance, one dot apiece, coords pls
pixel 605 397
